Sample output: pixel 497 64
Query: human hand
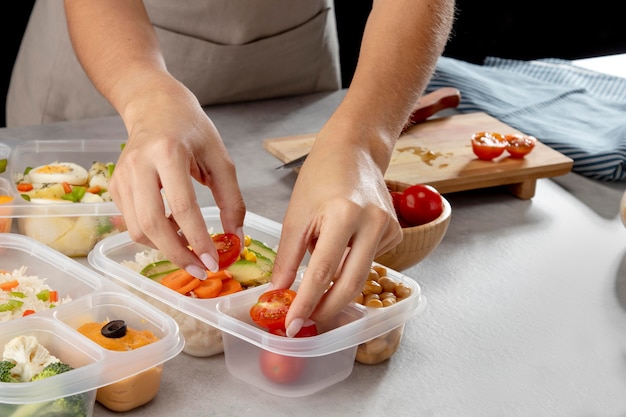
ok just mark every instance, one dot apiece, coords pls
pixel 341 211
pixel 171 140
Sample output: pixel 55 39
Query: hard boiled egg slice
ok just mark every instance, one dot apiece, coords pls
pixel 58 172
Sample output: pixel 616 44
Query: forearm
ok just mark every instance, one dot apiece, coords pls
pixel 118 49
pixel 400 47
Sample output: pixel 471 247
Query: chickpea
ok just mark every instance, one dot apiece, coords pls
pixel 402 290
pixel 372 300
pixel 359 298
pixel 372 287
pixel 381 270
pixel 388 283
pixel 373 275
pixel 389 301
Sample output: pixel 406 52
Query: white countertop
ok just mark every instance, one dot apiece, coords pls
pixel 526 310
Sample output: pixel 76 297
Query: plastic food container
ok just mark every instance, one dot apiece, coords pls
pixel 322 360
pixel 196 318
pixel 93 299
pixel 70 228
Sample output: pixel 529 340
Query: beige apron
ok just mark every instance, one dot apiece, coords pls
pixel 223 50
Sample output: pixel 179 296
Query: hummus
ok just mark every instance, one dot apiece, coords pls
pixel 136 390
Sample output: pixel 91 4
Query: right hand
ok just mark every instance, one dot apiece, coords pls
pixel 171 140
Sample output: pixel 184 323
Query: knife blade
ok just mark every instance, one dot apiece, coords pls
pixel 428 105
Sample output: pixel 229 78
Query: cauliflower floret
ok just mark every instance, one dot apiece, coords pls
pixel 29 356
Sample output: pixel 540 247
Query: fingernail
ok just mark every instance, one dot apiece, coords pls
pixel 210 263
pixel 196 271
pixel 294 327
pixel 239 233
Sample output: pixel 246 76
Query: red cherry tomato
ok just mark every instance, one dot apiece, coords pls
pixel 488 145
pixel 305 331
pixel 420 204
pixel 518 146
pixel 228 248
pixel 271 308
pixel 281 368
pixel 396 197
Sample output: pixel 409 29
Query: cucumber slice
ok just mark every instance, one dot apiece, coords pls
pixel 157 270
pixel 263 249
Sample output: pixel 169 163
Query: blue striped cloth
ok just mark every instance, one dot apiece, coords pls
pixel 578 112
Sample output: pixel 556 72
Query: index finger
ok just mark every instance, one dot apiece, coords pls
pixel 325 261
pixel 181 199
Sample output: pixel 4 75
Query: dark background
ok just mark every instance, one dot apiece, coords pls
pixel 527 29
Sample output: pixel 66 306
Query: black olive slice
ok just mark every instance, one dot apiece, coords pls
pixel 114 329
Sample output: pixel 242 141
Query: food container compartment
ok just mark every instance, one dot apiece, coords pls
pixel 71 228
pixel 93 299
pixel 70 348
pixel 196 317
pixel 323 360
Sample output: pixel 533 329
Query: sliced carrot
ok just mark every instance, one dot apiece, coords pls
pixel 180 281
pixel 54 296
pixel 94 190
pixel 9 285
pixel 230 286
pixel 190 286
pixel 67 188
pixel 28 313
pixel 24 186
pixel 209 288
pixel 221 274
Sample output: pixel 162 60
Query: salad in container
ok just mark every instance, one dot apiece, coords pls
pixel 57 191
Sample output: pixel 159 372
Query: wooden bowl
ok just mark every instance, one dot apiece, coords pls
pixel 417 242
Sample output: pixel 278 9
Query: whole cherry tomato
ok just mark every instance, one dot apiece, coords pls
pixel 228 247
pixel 281 368
pixel 396 197
pixel 518 145
pixel 420 204
pixel 488 145
pixel 271 308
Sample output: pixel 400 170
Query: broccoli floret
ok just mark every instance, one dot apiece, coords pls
pixel 53 369
pixel 29 356
pixel 5 372
pixel 73 406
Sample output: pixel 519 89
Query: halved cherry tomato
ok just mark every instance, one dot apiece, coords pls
pixel 271 308
pixel 228 248
pixel 488 145
pixel 420 204
pixel 305 331
pixel 518 145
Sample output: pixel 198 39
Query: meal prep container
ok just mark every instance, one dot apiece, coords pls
pixel 196 317
pixel 93 299
pixel 329 356
pixel 70 228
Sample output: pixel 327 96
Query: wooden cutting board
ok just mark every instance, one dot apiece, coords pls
pixel 439 152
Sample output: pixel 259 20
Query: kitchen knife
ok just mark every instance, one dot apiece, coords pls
pixel 427 105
